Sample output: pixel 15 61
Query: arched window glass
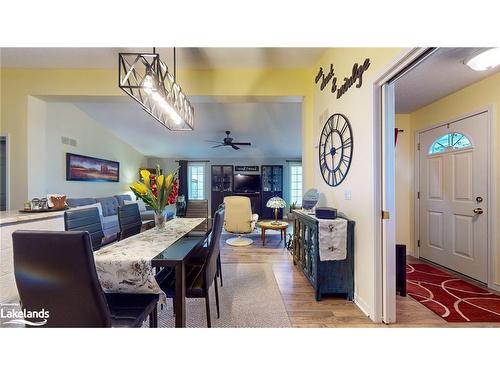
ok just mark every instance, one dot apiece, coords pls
pixel 449 142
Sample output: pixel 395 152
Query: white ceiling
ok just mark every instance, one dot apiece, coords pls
pixel 439 75
pixel 196 58
pixel 273 128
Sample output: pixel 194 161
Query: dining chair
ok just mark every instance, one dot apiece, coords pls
pixel 88 220
pixel 198 208
pixel 55 271
pixel 129 219
pixel 200 254
pixel 199 277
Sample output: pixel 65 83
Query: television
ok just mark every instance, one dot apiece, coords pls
pixel 246 183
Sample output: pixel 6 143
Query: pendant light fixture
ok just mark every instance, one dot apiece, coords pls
pixel 147 80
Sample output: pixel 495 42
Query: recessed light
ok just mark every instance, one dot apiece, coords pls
pixel 484 60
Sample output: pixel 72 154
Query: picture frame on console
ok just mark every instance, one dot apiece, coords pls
pixel 88 168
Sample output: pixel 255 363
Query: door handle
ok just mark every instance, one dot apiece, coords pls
pixel 478 210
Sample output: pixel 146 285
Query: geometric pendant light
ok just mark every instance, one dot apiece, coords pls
pixel 146 79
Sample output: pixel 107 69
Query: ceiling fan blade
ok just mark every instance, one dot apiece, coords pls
pixel 235 147
pixel 218 146
pixel 242 143
pixel 212 141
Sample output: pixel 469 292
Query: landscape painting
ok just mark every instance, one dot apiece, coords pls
pixel 86 168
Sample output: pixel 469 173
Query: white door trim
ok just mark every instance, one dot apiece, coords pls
pixel 491 188
pixel 7 166
pixel 383 297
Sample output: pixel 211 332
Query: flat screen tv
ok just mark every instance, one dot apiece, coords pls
pixel 246 183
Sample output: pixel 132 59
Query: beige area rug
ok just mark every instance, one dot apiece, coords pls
pixel 249 298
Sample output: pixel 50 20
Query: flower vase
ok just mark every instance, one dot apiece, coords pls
pixel 160 221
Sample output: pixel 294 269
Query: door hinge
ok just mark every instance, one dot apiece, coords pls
pixel 418 146
pixel 385 215
pixel 418 243
pixel 418 195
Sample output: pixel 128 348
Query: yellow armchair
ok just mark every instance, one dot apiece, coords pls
pixel 239 219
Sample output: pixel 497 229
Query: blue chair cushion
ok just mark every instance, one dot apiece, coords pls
pixel 109 205
pixel 109 222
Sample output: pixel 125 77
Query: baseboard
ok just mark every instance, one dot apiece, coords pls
pixel 495 286
pixel 363 306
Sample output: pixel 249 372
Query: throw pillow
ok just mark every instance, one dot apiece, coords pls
pixel 98 205
pixel 57 202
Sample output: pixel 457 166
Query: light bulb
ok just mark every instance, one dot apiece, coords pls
pixel 171 112
pixel 485 60
pixel 148 83
pixel 156 97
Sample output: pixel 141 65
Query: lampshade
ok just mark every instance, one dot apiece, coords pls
pixel 276 202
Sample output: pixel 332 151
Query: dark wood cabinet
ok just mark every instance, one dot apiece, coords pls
pixel 221 185
pixel 326 277
pixel 272 186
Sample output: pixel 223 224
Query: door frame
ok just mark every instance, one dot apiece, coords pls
pixel 384 302
pixel 7 172
pixel 491 188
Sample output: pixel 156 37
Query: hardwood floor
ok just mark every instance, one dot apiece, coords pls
pixel 298 294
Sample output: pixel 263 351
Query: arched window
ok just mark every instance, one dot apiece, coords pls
pixel 449 142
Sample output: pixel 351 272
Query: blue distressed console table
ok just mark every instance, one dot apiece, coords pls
pixel 327 277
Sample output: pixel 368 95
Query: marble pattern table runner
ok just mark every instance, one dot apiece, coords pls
pixel 125 266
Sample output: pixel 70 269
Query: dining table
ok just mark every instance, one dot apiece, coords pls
pixel 129 266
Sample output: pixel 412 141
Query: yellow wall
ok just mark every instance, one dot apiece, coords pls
pixel 19 84
pixel 482 94
pixel 357 105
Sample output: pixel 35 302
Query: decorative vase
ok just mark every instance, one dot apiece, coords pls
pixel 160 221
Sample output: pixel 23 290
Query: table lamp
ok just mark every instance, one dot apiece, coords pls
pixel 276 203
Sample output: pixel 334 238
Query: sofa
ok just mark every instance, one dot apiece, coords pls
pixel 109 210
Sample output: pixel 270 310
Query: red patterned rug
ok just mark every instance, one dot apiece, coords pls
pixel 451 298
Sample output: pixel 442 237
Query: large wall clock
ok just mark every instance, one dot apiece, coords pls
pixel 335 149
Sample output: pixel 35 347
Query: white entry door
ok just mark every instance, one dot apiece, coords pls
pixel 453 169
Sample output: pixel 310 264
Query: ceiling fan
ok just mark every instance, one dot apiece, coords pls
pixel 228 141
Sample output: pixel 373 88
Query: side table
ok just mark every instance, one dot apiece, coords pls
pixel 269 225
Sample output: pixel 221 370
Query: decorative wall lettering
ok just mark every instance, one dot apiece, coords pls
pixel 246 168
pixel 356 76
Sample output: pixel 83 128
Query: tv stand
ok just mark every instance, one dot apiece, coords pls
pixel 271 186
pixel 255 200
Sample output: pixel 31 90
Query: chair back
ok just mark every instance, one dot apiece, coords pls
pixel 129 218
pixel 55 271
pixel 88 220
pixel 198 208
pixel 214 247
pixel 238 217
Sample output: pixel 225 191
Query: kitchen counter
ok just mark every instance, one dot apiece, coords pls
pixel 10 221
pixel 11 217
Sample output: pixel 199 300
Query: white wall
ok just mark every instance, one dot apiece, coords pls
pixel 404 177
pixel 48 121
pixel 170 164
pixel 37 155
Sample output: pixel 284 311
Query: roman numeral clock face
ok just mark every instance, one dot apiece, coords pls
pixel 335 149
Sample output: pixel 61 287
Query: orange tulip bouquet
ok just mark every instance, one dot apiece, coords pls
pixel 157 191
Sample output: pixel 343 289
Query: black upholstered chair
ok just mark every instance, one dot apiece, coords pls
pixel 199 277
pixel 88 220
pixel 200 254
pixel 130 220
pixel 198 208
pixel 55 271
